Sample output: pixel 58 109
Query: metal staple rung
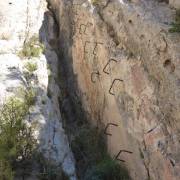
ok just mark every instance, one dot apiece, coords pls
pixel 112 86
pixel 109 124
pixel 121 151
pixel 108 63
pixel 93 73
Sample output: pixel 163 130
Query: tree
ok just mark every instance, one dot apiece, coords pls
pixel 16 140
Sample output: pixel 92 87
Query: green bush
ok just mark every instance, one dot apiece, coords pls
pixel 49 171
pixel 18 153
pixel 175 28
pixel 176 25
pixel 107 169
pixel 30 97
pixel 6 172
pixel 94 2
pixel 92 158
pixel 31 67
pixel 16 141
pixel 89 143
pixel 32 48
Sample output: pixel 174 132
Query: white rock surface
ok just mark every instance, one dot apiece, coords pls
pixel 20 20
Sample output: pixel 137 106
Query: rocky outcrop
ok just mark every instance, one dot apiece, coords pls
pixel 20 20
pixel 174 3
pixel 123 63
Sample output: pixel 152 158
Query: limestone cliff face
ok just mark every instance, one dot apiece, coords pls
pixel 174 3
pixel 20 20
pixel 122 62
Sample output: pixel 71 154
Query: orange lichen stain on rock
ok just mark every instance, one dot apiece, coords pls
pixel 152 138
pixel 167 174
pixel 138 79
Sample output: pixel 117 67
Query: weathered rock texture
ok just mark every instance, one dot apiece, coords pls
pixel 123 63
pixel 175 3
pixel 19 21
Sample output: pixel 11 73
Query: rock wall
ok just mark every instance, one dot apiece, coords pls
pixel 120 59
pixel 174 3
pixel 19 21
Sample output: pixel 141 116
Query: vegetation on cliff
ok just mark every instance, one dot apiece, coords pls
pixel 31 48
pixel 88 144
pixel 92 157
pixel 176 25
pixel 16 141
pixel 18 148
pixel 94 2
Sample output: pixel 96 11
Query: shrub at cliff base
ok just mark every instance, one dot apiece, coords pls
pixel 16 141
pixel 93 161
pixel 107 169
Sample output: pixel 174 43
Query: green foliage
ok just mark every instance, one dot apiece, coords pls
pixel 18 147
pixel 178 15
pixel 88 147
pixel 175 28
pixel 92 157
pixel 6 172
pixel 31 67
pixel 16 141
pixel 176 25
pixel 32 48
pixel 107 169
pixel 89 143
pixel 30 97
pixel 94 2
pixel 49 171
